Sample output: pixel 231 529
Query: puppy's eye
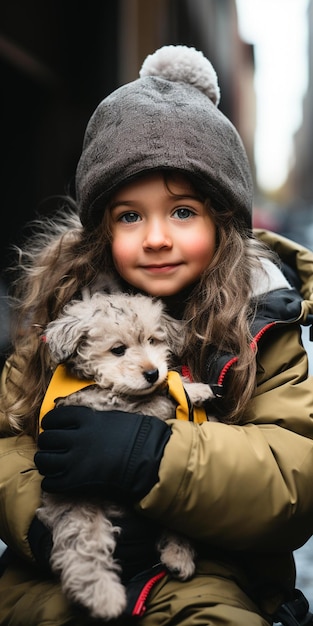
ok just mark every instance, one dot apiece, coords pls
pixel 155 340
pixel 119 350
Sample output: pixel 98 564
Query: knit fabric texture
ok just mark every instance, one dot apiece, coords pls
pixel 155 123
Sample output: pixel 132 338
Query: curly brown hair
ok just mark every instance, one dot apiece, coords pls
pixel 62 257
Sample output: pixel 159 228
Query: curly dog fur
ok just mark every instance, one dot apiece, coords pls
pixel 124 344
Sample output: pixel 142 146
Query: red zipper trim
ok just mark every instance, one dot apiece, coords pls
pixel 253 345
pixel 186 372
pixel 262 331
pixel 140 606
pixel 228 365
pixel 225 370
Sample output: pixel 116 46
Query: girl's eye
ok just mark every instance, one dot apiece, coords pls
pixel 183 213
pixel 129 218
pixel 119 350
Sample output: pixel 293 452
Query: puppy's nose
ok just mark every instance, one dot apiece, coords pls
pixel 151 376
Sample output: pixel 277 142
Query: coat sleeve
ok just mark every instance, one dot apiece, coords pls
pixel 246 486
pixel 19 491
pixel 20 481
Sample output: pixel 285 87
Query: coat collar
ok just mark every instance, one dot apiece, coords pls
pixel 277 307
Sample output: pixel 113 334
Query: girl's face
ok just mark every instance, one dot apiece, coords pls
pixel 162 240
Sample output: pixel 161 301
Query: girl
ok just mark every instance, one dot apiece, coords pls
pixel 163 207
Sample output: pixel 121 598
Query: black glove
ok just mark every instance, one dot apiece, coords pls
pixel 136 544
pixel 118 452
pixel 40 541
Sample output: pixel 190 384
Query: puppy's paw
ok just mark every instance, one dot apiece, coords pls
pixel 177 554
pixel 105 600
pixel 198 392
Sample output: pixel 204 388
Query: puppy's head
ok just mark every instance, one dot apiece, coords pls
pixel 122 342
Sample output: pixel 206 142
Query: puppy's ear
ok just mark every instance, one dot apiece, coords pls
pixel 175 333
pixel 64 333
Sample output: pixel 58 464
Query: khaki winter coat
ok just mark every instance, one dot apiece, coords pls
pixel 209 476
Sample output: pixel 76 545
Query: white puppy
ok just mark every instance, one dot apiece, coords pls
pixel 124 344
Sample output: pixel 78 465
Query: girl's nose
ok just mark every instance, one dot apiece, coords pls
pixel 157 236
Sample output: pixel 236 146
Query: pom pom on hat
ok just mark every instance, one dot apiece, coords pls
pixel 167 119
pixel 185 65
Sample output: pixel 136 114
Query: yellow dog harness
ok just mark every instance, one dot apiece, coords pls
pixel 63 384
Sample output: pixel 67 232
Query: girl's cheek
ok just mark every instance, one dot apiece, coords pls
pixel 120 252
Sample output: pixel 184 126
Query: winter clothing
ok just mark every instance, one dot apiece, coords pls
pixel 297 264
pixel 141 127
pixel 67 469
pixel 244 562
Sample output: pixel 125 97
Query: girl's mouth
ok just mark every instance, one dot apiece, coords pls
pixel 161 269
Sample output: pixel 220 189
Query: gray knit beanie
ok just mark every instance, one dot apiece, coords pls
pixel 166 119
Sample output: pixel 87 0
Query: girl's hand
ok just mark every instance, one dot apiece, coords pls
pixel 114 452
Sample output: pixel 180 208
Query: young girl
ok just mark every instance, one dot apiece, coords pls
pixel 163 207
